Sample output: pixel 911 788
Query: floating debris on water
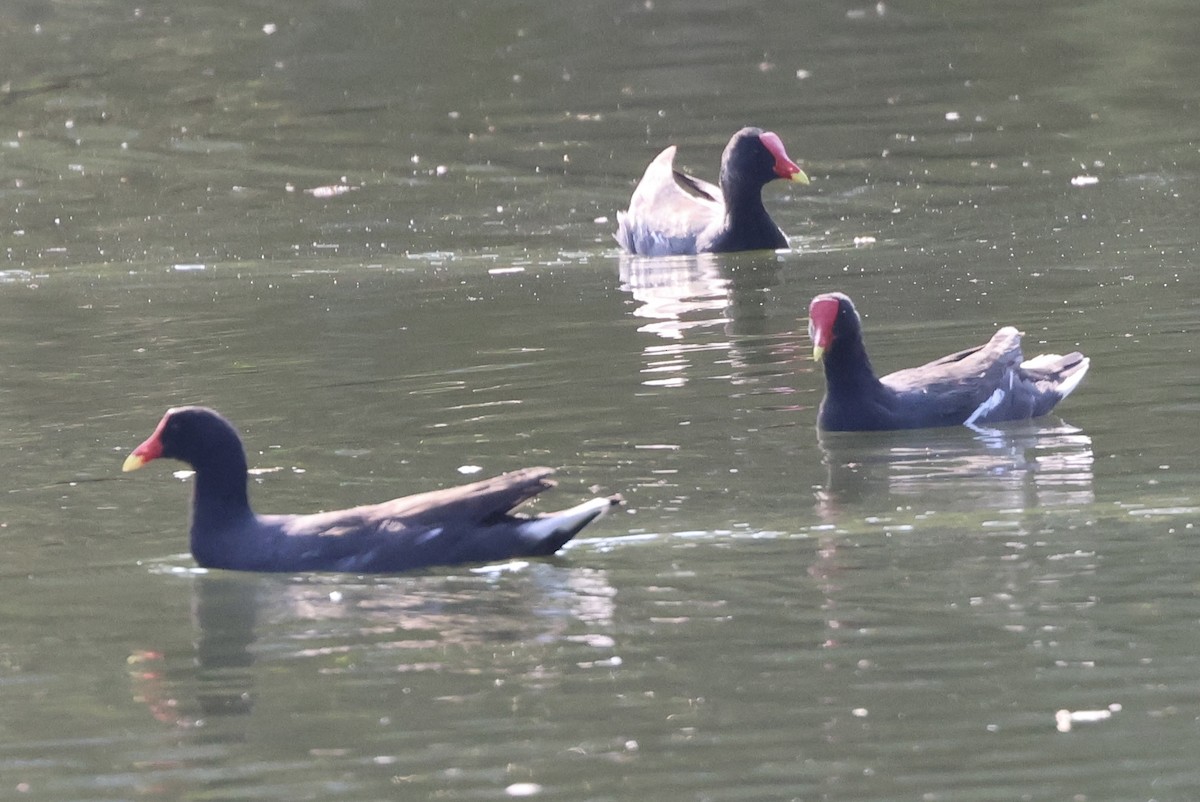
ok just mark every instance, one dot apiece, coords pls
pixel 329 191
pixel 523 789
pixel 1065 719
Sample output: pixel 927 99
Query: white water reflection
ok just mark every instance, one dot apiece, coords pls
pixel 372 628
pixel 1044 463
pixel 676 294
pixel 684 299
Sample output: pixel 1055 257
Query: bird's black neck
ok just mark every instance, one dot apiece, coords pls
pixel 848 371
pixel 220 499
pixel 743 198
pixel 747 226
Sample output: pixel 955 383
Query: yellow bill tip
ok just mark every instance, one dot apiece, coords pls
pixel 800 177
pixel 818 353
pixel 132 463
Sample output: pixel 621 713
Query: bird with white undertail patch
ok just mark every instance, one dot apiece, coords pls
pixel 978 386
pixel 672 213
pixel 465 524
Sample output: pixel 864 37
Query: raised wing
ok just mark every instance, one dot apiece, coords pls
pixel 668 210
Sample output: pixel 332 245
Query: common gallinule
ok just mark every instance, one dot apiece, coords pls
pixel 982 385
pixel 471 523
pixel 675 213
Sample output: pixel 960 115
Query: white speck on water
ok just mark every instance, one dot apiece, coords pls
pixel 270 28
pixel 330 191
pixel 953 116
pixel 595 640
pixel 467 470
pixel 1084 181
pixel 1064 719
pixel 523 789
pixel 501 568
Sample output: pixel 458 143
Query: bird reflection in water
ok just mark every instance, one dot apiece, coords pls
pixel 685 299
pixel 224 609
pixel 1043 463
pixel 387 624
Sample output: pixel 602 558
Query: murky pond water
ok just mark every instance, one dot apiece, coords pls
pixel 377 236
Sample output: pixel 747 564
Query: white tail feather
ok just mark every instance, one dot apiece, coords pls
pixel 572 519
pixel 1071 382
pixel 1041 362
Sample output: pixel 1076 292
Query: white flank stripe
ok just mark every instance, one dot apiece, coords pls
pixel 987 406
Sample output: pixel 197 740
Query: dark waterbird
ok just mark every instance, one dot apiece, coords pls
pixel 978 386
pixel 470 523
pixel 675 213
